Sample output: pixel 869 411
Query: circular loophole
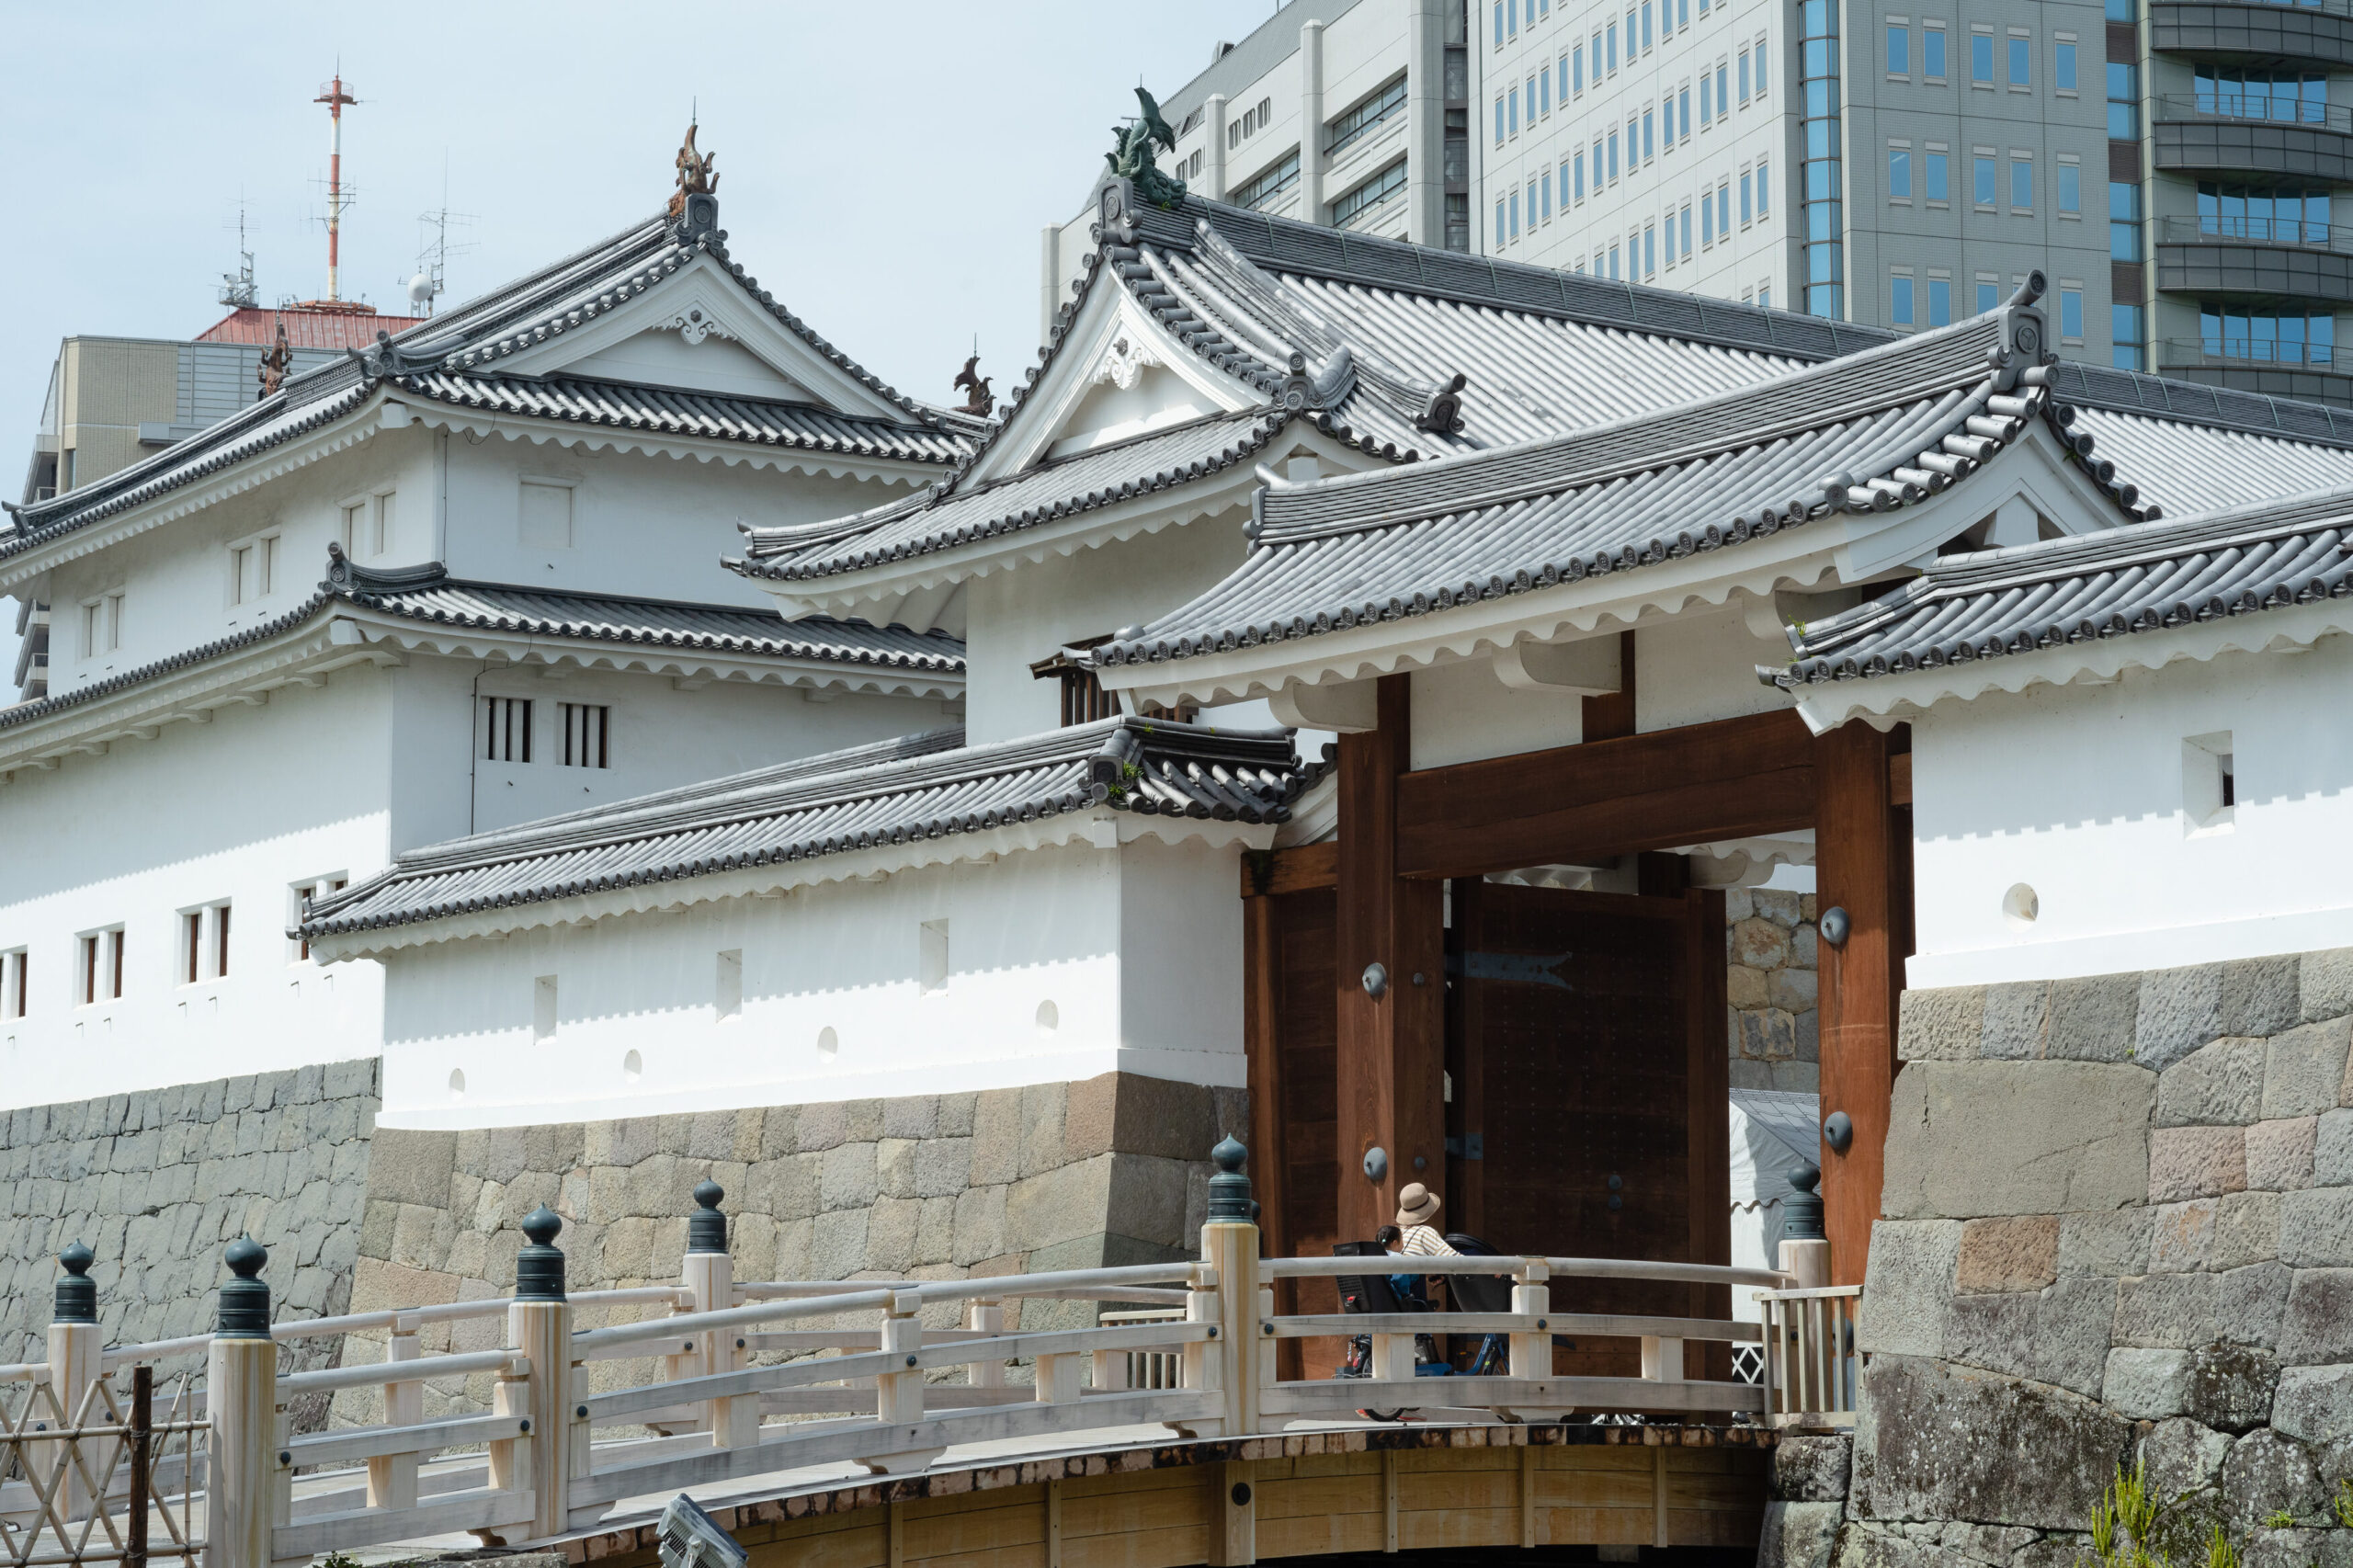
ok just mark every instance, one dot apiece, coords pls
pixel 632 1067
pixel 829 1044
pixel 457 1083
pixel 2021 906
pixel 1050 1017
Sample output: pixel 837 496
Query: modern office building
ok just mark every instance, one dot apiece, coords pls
pixel 2168 164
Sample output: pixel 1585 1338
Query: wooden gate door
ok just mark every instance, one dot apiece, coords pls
pixel 1585 1045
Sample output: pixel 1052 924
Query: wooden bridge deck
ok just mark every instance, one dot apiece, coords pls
pixel 1258 1499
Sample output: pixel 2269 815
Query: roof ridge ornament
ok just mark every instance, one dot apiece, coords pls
pixel 384 358
pixel 1133 158
pixel 694 206
pixel 345 576
pixel 1325 389
pixel 276 363
pixel 1443 416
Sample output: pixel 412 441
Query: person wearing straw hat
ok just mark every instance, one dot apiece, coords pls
pixel 1417 1206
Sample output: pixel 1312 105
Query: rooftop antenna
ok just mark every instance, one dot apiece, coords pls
pixel 432 260
pixel 333 95
pixel 238 290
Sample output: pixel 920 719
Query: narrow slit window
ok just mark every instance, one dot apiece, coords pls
pixel 587 735
pixel 506 729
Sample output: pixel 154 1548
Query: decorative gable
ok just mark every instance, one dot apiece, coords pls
pixel 700 328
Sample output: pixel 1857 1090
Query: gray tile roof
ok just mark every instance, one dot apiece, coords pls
pixel 2266 556
pixel 1064 487
pixel 1278 306
pixel 473 337
pixel 924 787
pixel 427 595
pixel 678 411
pixel 1871 432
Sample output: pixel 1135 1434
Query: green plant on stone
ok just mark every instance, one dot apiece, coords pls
pixel 2342 1504
pixel 2279 1520
pixel 2132 1526
pixel 338 1559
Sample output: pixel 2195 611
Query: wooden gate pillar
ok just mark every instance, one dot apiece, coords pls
pixel 1391 1056
pixel 240 1401
pixel 1856 869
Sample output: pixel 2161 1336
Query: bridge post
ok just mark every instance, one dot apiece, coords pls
pixel 1230 1244
pixel 711 1273
pixel 1531 1354
pixel 538 1327
pixel 76 1360
pixel 241 1396
pixel 986 1315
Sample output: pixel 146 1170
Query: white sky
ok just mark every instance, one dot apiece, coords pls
pixel 885 168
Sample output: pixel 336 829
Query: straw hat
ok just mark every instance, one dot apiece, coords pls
pixel 1416 1205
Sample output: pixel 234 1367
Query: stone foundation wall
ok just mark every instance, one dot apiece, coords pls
pixel 2117 1224
pixel 157 1183
pixel 1109 1171
pixel 1772 1031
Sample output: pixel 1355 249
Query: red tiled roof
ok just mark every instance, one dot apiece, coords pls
pixel 353 327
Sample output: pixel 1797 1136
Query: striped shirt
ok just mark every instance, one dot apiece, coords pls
pixel 1420 1241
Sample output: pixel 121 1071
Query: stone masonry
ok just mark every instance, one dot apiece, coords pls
pixel 1109 1171
pixel 157 1183
pixel 1772 1028
pixel 2117 1223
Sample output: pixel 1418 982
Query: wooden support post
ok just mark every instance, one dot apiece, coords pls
pixel 987 1316
pixel 1531 1354
pixel 1261 1018
pixel 241 1402
pixel 1058 1378
pixel 1389 1499
pixel 1235 1543
pixel 1231 1246
pixel 899 1392
pixel 1707 1120
pixel 1658 1495
pixel 1661 1360
pixel 1391 1058
pixel 392 1478
pixel 1053 1524
pixel 141 1458
pixel 1199 1365
pixel 538 1327
pixel 1854 872
pixel 1528 1540
pixel 76 1361
pixel 709 1273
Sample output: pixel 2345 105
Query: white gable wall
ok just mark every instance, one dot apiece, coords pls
pixel 2078 791
pixel 664 359
pixel 1061 963
pixel 1017 617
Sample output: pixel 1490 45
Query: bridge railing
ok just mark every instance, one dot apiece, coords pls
pixel 732 1380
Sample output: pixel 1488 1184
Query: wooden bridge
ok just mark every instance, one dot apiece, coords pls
pixel 1135 1443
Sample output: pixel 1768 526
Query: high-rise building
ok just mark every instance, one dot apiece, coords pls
pixel 2168 164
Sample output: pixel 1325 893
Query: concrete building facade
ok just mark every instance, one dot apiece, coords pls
pixel 2168 166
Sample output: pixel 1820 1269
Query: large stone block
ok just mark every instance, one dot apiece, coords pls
pixel 2315 1404
pixel 1041 1128
pixel 2279 1153
pixel 2225 1386
pixel 1070 1201
pixel 837 1245
pixel 2165 1311
pixel 2017 1021
pixel 1908 1287
pixel 2220 1084
pixel 1994 1333
pixel 407 1166
pixel 2305 1069
pixel 1932 1443
pixel 2316 1228
pixel 850 1178
pixel 2180 1010
pixel 2317 1325
pixel 2333 1149
pixel 1799 1535
pixel 2249 1302
pixel 2092 1017
pixel 2074 1324
pixel 1974 1139
pixel 2182 1236
pixel 2113 1243
pixel 1941 1025
pixel 2183 1455
pixel 1811 1469
pixel 2196 1161
pixel 2266 1472
pixel 2259 995
pixel 2013 1253
pixel 2246 1231
pixel 997 1136
pixel 2324 985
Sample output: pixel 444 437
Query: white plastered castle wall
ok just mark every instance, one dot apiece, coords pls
pixel 1059 963
pixel 2091 796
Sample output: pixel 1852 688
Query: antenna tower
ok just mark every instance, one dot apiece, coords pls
pixel 432 258
pixel 238 290
pixel 333 95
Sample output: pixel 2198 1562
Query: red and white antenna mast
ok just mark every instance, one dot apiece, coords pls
pixel 335 97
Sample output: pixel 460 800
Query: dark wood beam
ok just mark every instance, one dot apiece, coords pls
pixel 1582 805
pixel 1607 718
pixel 1707 1121
pixel 1269 872
pixel 1856 870
pixel 1391 1060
